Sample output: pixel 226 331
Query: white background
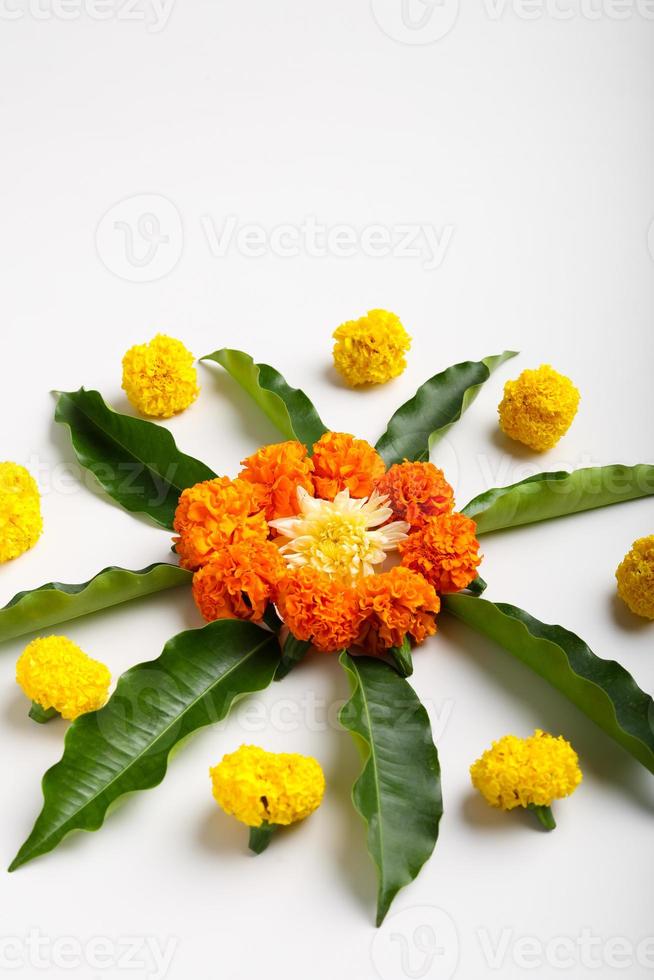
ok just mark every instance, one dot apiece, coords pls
pixel 527 142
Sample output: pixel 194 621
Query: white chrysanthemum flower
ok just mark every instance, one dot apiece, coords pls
pixel 341 537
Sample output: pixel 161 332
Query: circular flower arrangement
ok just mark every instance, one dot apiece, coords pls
pixel 325 542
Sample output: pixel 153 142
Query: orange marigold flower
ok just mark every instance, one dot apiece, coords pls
pixel 277 471
pixel 239 581
pixel 396 603
pixel 319 608
pixel 417 491
pixel 445 551
pixel 213 514
pixel 342 462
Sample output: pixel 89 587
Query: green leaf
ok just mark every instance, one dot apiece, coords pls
pixel 58 603
pixel 547 495
pixel 125 746
pixel 289 409
pixel 436 406
pixel 136 462
pixel 398 793
pixel 602 689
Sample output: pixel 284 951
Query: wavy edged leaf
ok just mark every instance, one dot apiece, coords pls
pixel 602 689
pixel 135 461
pixel 436 406
pixel 125 746
pixel 289 409
pixel 56 602
pixel 547 495
pixel 398 793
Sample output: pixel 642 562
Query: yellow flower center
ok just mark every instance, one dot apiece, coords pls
pixel 341 537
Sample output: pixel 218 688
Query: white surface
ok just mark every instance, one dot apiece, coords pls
pixel 527 144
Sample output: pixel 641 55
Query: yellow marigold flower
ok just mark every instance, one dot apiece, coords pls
pixel 278 471
pixel 159 377
pixel 20 511
pixel 371 350
pixel 341 462
pixel 395 605
pixel 416 492
pixel 538 407
pixel 319 608
pixel 635 575
pixel 445 550
pixel 239 581
pixel 55 673
pixel 260 787
pixel 216 513
pixel 528 772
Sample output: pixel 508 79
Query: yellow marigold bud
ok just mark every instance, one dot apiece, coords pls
pixel 159 377
pixel 371 350
pixel 529 772
pixel 259 787
pixel 20 511
pixel 538 407
pixel 635 575
pixel 55 673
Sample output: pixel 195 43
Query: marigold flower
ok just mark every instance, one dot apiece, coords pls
pixel 417 491
pixel 319 608
pixel 278 471
pixel 396 604
pixel 159 377
pixel 20 511
pixel 342 462
pixel 239 580
pixel 635 575
pixel 260 787
pixel 213 514
pixel 528 772
pixel 371 350
pixel 538 407
pixel 343 536
pixel 444 550
pixel 55 673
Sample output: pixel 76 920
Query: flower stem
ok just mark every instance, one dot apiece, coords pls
pixel 545 815
pixel 401 657
pixel 260 837
pixel 37 713
pixel 294 650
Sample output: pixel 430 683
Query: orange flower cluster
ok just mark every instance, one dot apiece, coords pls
pixel 416 492
pixel 445 551
pixel 225 538
pixel 341 462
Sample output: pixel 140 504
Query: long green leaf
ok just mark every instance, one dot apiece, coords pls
pixel 58 603
pixel 136 462
pixel 398 793
pixel 125 746
pixel 289 409
pixel 547 495
pixel 436 406
pixel 602 689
